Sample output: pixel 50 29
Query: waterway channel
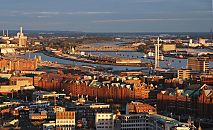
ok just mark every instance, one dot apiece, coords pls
pixel 168 62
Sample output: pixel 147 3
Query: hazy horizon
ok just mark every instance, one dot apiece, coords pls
pixel 34 30
pixel 108 15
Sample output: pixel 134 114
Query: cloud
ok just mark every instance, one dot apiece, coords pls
pixel 87 13
pixel 49 14
pixel 65 13
pixel 42 16
pixel 143 20
pixel 149 1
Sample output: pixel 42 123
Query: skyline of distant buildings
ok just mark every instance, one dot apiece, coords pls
pixel 45 94
pixel 20 40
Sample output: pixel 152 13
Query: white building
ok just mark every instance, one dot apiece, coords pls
pixel 49 125
pixel 7 51
pixel 104 121
pixel 99 105
pixel 202 41
pixel 22 39
pixel 65 120
pixel 46 95
pixel 149 122
pixel 193 44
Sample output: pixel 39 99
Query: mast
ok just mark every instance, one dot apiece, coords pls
pixel 157 46
pixel 158 51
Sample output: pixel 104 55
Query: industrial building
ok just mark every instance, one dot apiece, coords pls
pixel 168 47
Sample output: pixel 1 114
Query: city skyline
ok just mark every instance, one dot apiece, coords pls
pixel 108 16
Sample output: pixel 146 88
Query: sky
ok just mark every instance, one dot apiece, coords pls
pixel 108 15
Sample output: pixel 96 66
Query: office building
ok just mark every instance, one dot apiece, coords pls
pixel 146 121
pixel 186 74
pixel 65 120
pixel 87 112
pixel 104 121
pixel 200 64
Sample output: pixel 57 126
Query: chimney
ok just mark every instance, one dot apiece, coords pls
pixel 21 30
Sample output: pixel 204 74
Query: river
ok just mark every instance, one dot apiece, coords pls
pixel 168 62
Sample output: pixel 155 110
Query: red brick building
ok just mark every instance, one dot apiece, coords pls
pixel 207 79
pixel 51 81
pixel 110 89
pixel 138 107
pixel 205 102
pixel 198 102
pixel 18 64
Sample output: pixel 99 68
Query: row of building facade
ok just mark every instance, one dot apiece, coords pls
pixel 18 64
pixel 114 88
pixel 197 102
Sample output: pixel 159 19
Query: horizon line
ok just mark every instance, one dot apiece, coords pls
pixel 111 31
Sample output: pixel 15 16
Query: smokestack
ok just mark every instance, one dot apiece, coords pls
pixel 7 33
pixel 3 32
pixel 21 30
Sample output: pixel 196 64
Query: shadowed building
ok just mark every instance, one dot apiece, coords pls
pixel 200 64
pixel 197 102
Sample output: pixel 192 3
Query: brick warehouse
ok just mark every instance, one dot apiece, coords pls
pixel 198 102
pixel 18 64
pixel 112 88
